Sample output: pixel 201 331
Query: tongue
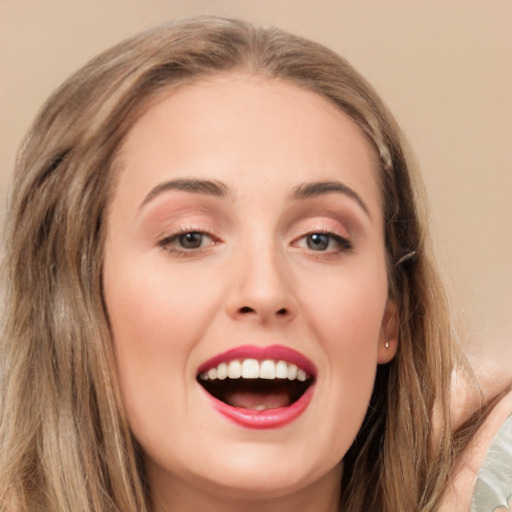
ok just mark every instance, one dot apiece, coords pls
pixel 257 401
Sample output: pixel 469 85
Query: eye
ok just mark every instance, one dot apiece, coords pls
pixel 318 241
pixel 324 242
pixel 192 240
pixel 187 241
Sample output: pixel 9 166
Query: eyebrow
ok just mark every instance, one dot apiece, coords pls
pixel 319 188
pixel 192 185
pixel 219 189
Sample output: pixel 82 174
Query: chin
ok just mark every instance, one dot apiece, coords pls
pixel 252 471
pixel 246 480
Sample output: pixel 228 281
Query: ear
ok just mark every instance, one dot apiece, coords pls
pixel 388 340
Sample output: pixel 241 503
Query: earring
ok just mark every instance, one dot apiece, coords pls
pixel 386 344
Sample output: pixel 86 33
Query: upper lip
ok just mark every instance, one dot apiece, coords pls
pixel 274 352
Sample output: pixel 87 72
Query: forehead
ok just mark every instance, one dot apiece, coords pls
pixel 248 128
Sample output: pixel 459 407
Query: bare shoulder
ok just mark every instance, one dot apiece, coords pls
pixel 492 380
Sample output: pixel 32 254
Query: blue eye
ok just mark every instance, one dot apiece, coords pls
pixel 325 242
pixel 318 241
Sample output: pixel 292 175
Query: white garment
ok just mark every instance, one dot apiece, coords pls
pixel 493 490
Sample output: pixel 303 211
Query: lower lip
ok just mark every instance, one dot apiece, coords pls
pixel 266 419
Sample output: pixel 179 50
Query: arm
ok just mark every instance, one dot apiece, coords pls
pixel 477 456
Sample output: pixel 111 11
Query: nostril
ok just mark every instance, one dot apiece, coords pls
pixel 246 310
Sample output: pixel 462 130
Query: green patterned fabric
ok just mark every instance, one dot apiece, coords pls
pixel 493 491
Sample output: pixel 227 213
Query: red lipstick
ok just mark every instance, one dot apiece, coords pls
pixel 259 400
pixel 266 419
pixel 276 352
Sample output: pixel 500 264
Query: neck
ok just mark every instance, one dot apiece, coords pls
pixel 323 495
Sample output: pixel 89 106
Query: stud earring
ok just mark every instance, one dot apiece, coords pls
pixel 386 344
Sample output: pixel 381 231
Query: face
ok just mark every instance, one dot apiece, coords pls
pixel 245 281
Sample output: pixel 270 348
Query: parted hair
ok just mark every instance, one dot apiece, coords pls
pixel 65 444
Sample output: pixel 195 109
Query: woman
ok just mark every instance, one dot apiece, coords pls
pixel 220 294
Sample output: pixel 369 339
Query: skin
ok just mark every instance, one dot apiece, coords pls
pixel 491 377
pixel 254 280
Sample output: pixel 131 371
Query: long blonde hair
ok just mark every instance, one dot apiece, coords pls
pixel 65 444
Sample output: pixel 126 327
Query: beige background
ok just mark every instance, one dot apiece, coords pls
pixel 443 67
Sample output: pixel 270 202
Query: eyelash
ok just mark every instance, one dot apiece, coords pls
pixel 344 244
pixel 170 243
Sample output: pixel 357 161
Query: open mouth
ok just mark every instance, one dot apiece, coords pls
pixel 256 385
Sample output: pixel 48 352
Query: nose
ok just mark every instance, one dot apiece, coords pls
pixel 262 290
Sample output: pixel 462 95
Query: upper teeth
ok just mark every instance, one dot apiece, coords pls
pixel 254 369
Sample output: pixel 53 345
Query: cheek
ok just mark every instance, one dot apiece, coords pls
pixel 346 314
pixel 152 305
pixel 156 318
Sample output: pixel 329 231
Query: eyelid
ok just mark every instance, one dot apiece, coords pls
pixel 344 242
pixel 175 235
pixel 165 242
pixel 320 222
